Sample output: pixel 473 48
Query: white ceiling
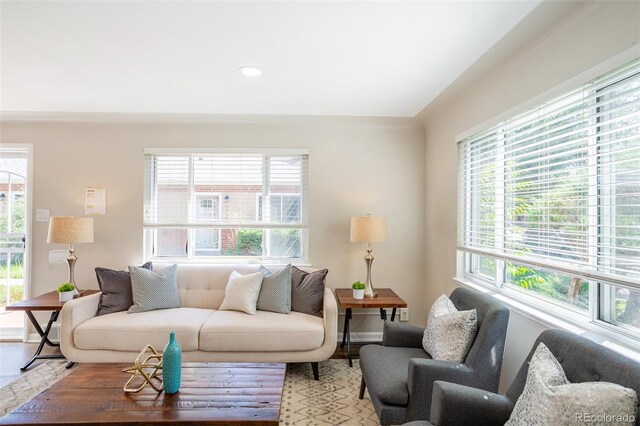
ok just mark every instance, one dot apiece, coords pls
pixel 319 58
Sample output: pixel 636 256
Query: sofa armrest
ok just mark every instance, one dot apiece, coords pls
pixel 423 373
pixel 402 335
pixel 74 313
pixel 455 404
pixel 330 317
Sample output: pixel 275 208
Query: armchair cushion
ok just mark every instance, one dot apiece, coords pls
pixel 549 397
pixel 386 371
pixel 455 404
pixel 449 333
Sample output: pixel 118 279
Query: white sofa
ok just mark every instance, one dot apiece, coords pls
pixel 203 332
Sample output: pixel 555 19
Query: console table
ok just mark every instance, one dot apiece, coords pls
pixel 45 302
pixel 386 298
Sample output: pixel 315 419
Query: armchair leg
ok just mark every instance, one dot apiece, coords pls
pixel 316 373
pixel 363 386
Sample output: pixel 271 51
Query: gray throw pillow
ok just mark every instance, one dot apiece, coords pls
pixel 307 291
pixel 450 333
pixel 275 293
pixel 154 290
pixel 549 398
pixel 115 286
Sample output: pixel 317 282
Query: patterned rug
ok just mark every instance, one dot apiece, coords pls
pixel 331 401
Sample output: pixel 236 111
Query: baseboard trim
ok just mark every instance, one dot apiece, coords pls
pixel 363 336
pixel 54 335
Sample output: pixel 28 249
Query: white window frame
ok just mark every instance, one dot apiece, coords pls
pixel 149 234
pixel 546 311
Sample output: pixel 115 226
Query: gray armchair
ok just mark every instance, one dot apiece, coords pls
pixel 581 359
pixel 400 374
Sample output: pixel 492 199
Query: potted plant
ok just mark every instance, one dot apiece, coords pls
pixel 66 291
pixel 358 290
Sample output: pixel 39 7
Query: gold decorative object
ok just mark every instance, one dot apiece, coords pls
pixel 147 370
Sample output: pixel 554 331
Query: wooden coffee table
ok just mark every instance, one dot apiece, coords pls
pixel 210 394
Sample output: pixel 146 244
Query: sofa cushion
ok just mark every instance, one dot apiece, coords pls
pixel 307 291
pixel 231 331
pixel 116 289
pixel 275 293
pixel 388 367
pixel 154 290
pixel 242 292
pixel 123 332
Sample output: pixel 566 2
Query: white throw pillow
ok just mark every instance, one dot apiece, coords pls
pixel 450 333
pixel 549 398
pixel 241 293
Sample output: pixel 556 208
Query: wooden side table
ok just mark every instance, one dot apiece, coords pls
pixel 386 298
pixel 45 302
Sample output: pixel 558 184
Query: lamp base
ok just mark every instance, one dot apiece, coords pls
pixel 369 291
pixel 71 260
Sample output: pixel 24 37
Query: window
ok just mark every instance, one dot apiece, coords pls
pixel 549 201
pixel 210 204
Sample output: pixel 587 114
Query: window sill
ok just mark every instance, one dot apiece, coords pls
pixel 227 262
pixel 572 322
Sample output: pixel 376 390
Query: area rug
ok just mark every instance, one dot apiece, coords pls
pixel 331 401
pixel 30 384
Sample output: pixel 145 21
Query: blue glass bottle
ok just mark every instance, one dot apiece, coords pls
pixel 172 365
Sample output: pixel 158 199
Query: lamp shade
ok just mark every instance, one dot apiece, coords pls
pixel 70 229
pixel 368 229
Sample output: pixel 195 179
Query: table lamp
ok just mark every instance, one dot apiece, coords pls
pixel 70 230
pixel 368 229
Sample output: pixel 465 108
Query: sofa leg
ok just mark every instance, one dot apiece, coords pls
pixel 363 386
pixel 316 373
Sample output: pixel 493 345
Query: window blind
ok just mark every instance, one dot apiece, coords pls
pixel 225 190
pixel 559 186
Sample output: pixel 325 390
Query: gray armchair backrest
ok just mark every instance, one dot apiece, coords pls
pixel 485 356
pixel 582 361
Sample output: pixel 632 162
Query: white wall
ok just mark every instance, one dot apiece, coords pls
pixel 588 34
pixel 356 166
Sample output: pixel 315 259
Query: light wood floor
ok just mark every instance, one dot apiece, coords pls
pixel 14 355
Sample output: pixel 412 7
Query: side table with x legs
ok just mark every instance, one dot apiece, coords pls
pixel 45 302
pixel 386 298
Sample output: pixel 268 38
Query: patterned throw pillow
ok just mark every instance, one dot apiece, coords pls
pixel 275 293
pixel 549 398
pixel 241 293
pixel 115 287
pixel 154 290
pixel 450 333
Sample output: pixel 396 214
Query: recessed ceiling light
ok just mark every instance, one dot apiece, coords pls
pixel 250 71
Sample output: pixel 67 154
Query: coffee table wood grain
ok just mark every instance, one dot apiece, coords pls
pixel 210 394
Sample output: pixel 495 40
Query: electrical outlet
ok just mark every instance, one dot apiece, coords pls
pixel 404 314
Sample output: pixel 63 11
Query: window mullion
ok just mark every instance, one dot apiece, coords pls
pixel 191 211
pixel 594 214
pixel 266 202
pixel 500 208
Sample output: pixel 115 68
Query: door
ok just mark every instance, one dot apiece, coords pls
pixel 13 237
